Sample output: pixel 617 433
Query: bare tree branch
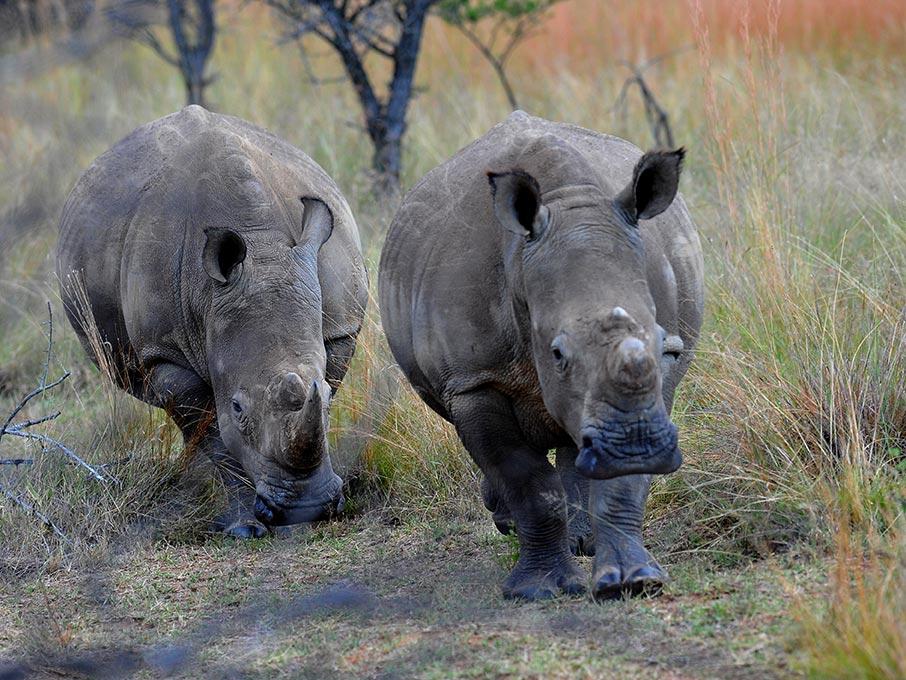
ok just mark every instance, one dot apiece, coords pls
pixel 515 19
pixel 192 30
pixel 21 429
pixel 391 29
pixel 32 510
pixel 42 387
pixel 657 117
pixel 50 441
pixel 6 429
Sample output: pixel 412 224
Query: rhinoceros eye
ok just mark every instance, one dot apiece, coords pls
pixel 237 407
pixel 558 352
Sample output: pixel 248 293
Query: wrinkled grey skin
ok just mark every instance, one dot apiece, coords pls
pixel 542 290
pixel 224 269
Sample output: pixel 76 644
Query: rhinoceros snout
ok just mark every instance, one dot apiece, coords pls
pixel 273 515
pixel 318 502
pixel 642 445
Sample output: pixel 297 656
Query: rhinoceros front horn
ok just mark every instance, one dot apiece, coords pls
pixel 307 436
pixel 637 368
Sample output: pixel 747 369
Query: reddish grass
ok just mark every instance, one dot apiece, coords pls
pixel 597 29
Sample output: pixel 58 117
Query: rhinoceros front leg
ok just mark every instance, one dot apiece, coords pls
pixel 575 485
pixel 622 564
pixel 578 521
pixel 530 488
pixel 188 400
pixel 238 520
pixel 500 512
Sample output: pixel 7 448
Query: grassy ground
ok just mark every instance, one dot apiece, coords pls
pixel 784 530
pixel 367 598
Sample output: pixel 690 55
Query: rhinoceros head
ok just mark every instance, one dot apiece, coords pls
pixel 577 261
pixel 267 363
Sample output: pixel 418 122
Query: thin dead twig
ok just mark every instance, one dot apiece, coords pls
pixel 658 119
pixel 22 428
pixel 32 510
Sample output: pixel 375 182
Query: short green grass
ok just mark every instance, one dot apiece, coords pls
pixel 783 532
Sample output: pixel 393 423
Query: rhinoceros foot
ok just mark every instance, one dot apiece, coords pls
pixel 239 520
pixel 543 580
pixel 626 568
pixel 246 529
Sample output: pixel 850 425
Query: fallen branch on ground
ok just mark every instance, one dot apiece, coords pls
pixel 32 510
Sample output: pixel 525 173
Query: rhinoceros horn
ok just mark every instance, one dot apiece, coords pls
pixel 307 430
pixel 292 392
pixel 632 365
pixel 637 366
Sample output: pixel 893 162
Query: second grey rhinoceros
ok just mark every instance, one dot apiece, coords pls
pixel 221 268
pixel 543 289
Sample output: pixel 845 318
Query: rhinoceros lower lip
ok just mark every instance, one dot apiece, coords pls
pixel 646 446
pixel 319 504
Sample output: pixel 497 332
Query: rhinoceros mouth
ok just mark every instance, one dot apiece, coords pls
pixel 323 501
pixel 646 445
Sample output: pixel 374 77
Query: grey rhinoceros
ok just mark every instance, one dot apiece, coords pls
pixel 542 289
pixel 222 268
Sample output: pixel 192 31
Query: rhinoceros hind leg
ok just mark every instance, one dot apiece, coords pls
pixel 530 488
pixel 622 564
pixel 581 540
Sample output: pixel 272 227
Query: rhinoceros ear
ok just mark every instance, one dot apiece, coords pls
pixel 653 186
pixel 224 251
pixel 517 203
pixel 317 223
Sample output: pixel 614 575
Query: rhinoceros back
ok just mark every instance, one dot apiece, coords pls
pixel 94 224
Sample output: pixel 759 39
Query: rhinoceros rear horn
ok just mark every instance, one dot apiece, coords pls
pixel 292 392
pixel 317 223
pixel 653 187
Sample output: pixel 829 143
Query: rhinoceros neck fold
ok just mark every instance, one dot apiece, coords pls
pixel 192 340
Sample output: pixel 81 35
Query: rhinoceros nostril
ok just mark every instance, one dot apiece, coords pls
pixel 586 442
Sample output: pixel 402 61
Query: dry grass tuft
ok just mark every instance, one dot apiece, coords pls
pixel 859 632
pixel 393 449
